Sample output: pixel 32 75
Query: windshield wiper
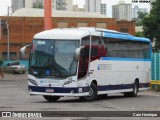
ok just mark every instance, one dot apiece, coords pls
pixel 57 68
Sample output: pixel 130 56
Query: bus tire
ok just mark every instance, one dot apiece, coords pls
pixel 135 89
pixel 51 98
pixel 134 92
pixel 92 93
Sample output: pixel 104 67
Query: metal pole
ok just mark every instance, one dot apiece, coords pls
pixel 7 41
pixel 7 24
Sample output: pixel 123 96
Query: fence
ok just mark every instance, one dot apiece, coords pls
pixel 156 66
pixel 155 72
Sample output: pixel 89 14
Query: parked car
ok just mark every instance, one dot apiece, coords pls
pixel 14 67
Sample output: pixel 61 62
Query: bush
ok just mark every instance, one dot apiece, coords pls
pixel 1 61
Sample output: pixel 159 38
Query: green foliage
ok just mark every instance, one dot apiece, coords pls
pixel 1 61
pixel 139 34
pixel 141 16
pixel 151 24
pixel 157 45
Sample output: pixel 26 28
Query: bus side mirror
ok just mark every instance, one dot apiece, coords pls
pixel 23 50
pixel 77 53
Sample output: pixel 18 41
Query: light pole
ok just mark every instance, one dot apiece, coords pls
pixel 7 26
pixel 8 42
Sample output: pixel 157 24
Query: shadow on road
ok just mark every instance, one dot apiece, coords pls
pixel 77 100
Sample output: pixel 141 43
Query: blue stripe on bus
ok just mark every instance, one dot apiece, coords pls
pixel 124 59
pixel 125 37
pixel 85 89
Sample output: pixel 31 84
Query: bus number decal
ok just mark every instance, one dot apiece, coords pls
pixel 104 66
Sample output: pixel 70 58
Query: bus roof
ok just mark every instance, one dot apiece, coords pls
pixel 63 34
pixel 78 33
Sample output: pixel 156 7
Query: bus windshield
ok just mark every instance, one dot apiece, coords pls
pixel 53 58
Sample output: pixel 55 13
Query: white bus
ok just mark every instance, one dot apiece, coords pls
pixel 87 62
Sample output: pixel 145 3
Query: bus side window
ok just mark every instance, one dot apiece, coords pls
pixel 105 46
pixel 103 51
pixel 94 53
pixel 97 52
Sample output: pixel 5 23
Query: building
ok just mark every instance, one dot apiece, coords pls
pixel 25 23
pixel 69 5
pixel 136 9
pixel 103 9
pixel 38 3
pixel 139 29
pixel 122 11
pixel 76 8
pixel 28 3
pixel 17 4
pixel 93 6
pixel 56 4
pixel 63 5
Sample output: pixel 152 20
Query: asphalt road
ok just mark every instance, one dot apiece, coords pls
pixel 14 97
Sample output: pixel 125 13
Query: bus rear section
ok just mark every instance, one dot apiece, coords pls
pixel 119 63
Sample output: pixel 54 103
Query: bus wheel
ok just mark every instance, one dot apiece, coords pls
pixel 134 92
pixel 51 98
pixel 92 93
pixel 135 89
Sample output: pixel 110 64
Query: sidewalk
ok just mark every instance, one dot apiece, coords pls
pixel 11 76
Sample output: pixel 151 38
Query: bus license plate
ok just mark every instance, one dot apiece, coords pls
pixel 50 90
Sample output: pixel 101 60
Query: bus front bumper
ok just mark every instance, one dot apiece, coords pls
pixel 58 91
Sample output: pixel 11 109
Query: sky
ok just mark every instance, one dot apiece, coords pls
pixel 5 3
pixel 4 6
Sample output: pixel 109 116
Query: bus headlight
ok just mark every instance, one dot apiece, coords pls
pixel 33 81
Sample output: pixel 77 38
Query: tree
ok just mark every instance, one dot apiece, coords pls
pixel 151 24
pixel 141 16
pixel 139 34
